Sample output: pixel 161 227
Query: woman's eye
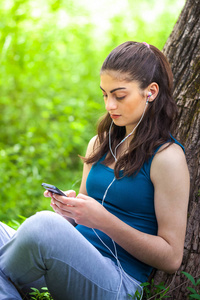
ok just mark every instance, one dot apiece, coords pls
pixel 120 98
pixel 105 96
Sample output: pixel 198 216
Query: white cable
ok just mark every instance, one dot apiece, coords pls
pixel 110 141
pixel 115 255
pixel 104 196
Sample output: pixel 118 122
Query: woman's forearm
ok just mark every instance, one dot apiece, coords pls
pixel 152 250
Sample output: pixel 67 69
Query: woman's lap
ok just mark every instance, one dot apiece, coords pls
pixel 48 245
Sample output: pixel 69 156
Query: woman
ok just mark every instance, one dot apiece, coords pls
pixel 130 214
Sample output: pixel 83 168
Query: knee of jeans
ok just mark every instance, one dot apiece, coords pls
pixel 39 227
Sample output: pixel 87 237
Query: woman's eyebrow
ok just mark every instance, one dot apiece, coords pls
pixel 120 88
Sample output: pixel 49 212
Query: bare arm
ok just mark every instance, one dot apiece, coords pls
pixel 170 176
pixel 87 167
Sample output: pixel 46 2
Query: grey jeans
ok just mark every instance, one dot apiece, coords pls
pixel 49 248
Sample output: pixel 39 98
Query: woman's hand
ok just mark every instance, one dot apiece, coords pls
pixel 83 209
pixel 69 193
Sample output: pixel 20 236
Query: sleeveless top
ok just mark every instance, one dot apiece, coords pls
pixel 131 199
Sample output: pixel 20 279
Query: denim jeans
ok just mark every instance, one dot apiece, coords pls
pixel 48 247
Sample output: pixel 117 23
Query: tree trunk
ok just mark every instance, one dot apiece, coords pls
pixel 183 52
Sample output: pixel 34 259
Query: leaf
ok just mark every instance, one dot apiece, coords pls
pixel 145 284
pixel 160 287
pixel 196 296
pixel 198 282
pixel 44 288
pixel 190 277
pixel 191 290
pixel 35 290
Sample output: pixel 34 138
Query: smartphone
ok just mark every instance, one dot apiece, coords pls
pixel 53 189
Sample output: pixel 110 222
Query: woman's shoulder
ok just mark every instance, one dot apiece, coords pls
pixel 172 151
pixel 92 145
pixel 169 157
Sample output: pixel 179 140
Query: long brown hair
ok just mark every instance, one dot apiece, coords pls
pixel 137 61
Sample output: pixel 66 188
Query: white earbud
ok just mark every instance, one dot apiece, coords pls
pixel 148 96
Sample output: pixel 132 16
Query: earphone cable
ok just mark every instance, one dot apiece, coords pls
pixel 115 255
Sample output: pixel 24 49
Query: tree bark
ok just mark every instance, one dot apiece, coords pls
pixel 183 52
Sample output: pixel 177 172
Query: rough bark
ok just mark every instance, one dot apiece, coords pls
pixel 183 52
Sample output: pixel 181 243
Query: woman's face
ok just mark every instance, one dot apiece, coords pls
pixel 124 100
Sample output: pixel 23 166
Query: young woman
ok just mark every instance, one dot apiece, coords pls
pixel 130 214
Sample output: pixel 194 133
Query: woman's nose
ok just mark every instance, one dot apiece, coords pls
pixel 110 103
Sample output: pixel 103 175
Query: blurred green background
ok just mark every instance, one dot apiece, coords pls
pixel 51 52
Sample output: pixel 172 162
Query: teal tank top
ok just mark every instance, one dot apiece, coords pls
pixel 131 199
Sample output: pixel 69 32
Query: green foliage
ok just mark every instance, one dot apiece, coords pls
pixel 50 99
pixel 46 112
pixel 160 291
pixel 16 223
pixel 194 292
pixel 152 290
pixel 37 295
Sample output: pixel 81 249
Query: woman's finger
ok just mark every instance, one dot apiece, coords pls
pixel 61 211
pixel 47 194
pixel 70 193
pixel 69 201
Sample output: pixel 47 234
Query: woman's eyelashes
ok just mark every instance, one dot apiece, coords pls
pixel 120 98
pixel 116 97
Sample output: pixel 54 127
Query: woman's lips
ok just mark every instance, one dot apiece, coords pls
pixel 113 116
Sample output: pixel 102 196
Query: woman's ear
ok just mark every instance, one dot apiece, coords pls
pixel 152 91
